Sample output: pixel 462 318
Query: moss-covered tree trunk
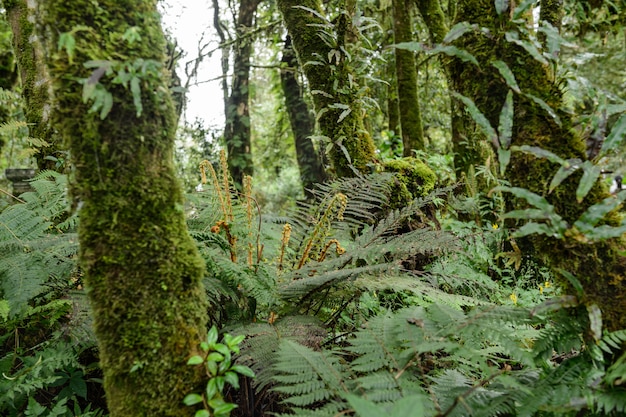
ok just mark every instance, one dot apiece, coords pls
pixel 600 266
pixel 237 132
pixel 312 170
pixel 142 270
pixel 8 72
pixel 35 81
pixel 318 44
pixel 406 73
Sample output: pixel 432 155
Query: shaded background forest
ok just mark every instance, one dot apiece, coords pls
pixel 410 209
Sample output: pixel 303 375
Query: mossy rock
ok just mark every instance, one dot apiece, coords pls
pixel 413 179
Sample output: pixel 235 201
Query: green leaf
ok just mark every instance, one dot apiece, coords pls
pixel 615 138
pixel 243 370
pixel 541 153
pixel 67 42
pixel 412 405
pixel 501 6
pixel 507 74
pixel 533 229
pixel 212 336
pixel 554 304
pixel 505 125
pixel 574 281
pixel 202 413
pixel 504 157
pixel 221 407
pixel 457 31
pixel 409 46
pixel 564 171
pixel 453 51
pixel 365 408
pixel 546 107
pixel 211 389
pixel 479 118
pixel 107 104
pixel 135 89
pixel 595 213
pixel 192 399
pixel 532 198
pixel 529 46
pixel 215 357
pixel 527 214
pixel 232 379
pixel 212 367
pixel 590 177
pixel 521 9
pixel 195 360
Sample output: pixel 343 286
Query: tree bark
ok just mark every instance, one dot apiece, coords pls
pixel 35 81
pixel 302 122
pixel 142 270
pixel 331 82
pixel 406 73
pixel 237 131
pixel 599 266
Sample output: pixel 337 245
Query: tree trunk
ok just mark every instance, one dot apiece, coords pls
pixel 237 131
pixel 331 82
pixel 35 81
pixel 142 270
pixel 302 122
pixel 406 73
pixel 599 266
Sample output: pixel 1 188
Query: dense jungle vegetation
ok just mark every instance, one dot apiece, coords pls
pixel 411 209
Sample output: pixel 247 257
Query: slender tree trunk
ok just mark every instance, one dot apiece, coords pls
pixel 599 266
pixel 406 73
pixel 36 83
pixel 142 269
pixel 8 71
pixel 302 122
pixel 237 131
pixel 333 86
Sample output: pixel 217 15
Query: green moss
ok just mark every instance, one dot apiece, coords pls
pixel 142 270
pixel 413 179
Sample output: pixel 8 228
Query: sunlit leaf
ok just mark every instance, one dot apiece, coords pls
pixel 192 399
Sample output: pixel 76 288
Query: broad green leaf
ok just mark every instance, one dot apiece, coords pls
pixel 344 114
pixel 211 389
pixel 534 229
pixel 615 138
pixel 195 360
pixel 505 125
pixel 590 177
pixel 532 198
pixel 202 413
pixel 67 42
pixel 455 52
pixel 507 74
pixel 595 213
pixel 546 107
pixel 554 304
pixel 192 399
pixel 212 336
pixel 564 171
pixel 605 232
pixel 243 370
pixel 232 379
pixel 457 31
pixel 535 214
pixel 504 157
pixel 107 104
pixel 211 367
pixel 479 118
pixel 529 46
pixel 215 356
pixel 501 6
pixel 541 153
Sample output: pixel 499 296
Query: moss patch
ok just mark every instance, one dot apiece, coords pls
pixel 413 179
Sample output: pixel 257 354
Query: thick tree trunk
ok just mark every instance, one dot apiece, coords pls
pixel 142 269
pixel 237 131
pixel 333 86
pixel 599 266
pixel 302 122
pixel 36 82
pixel 406 73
